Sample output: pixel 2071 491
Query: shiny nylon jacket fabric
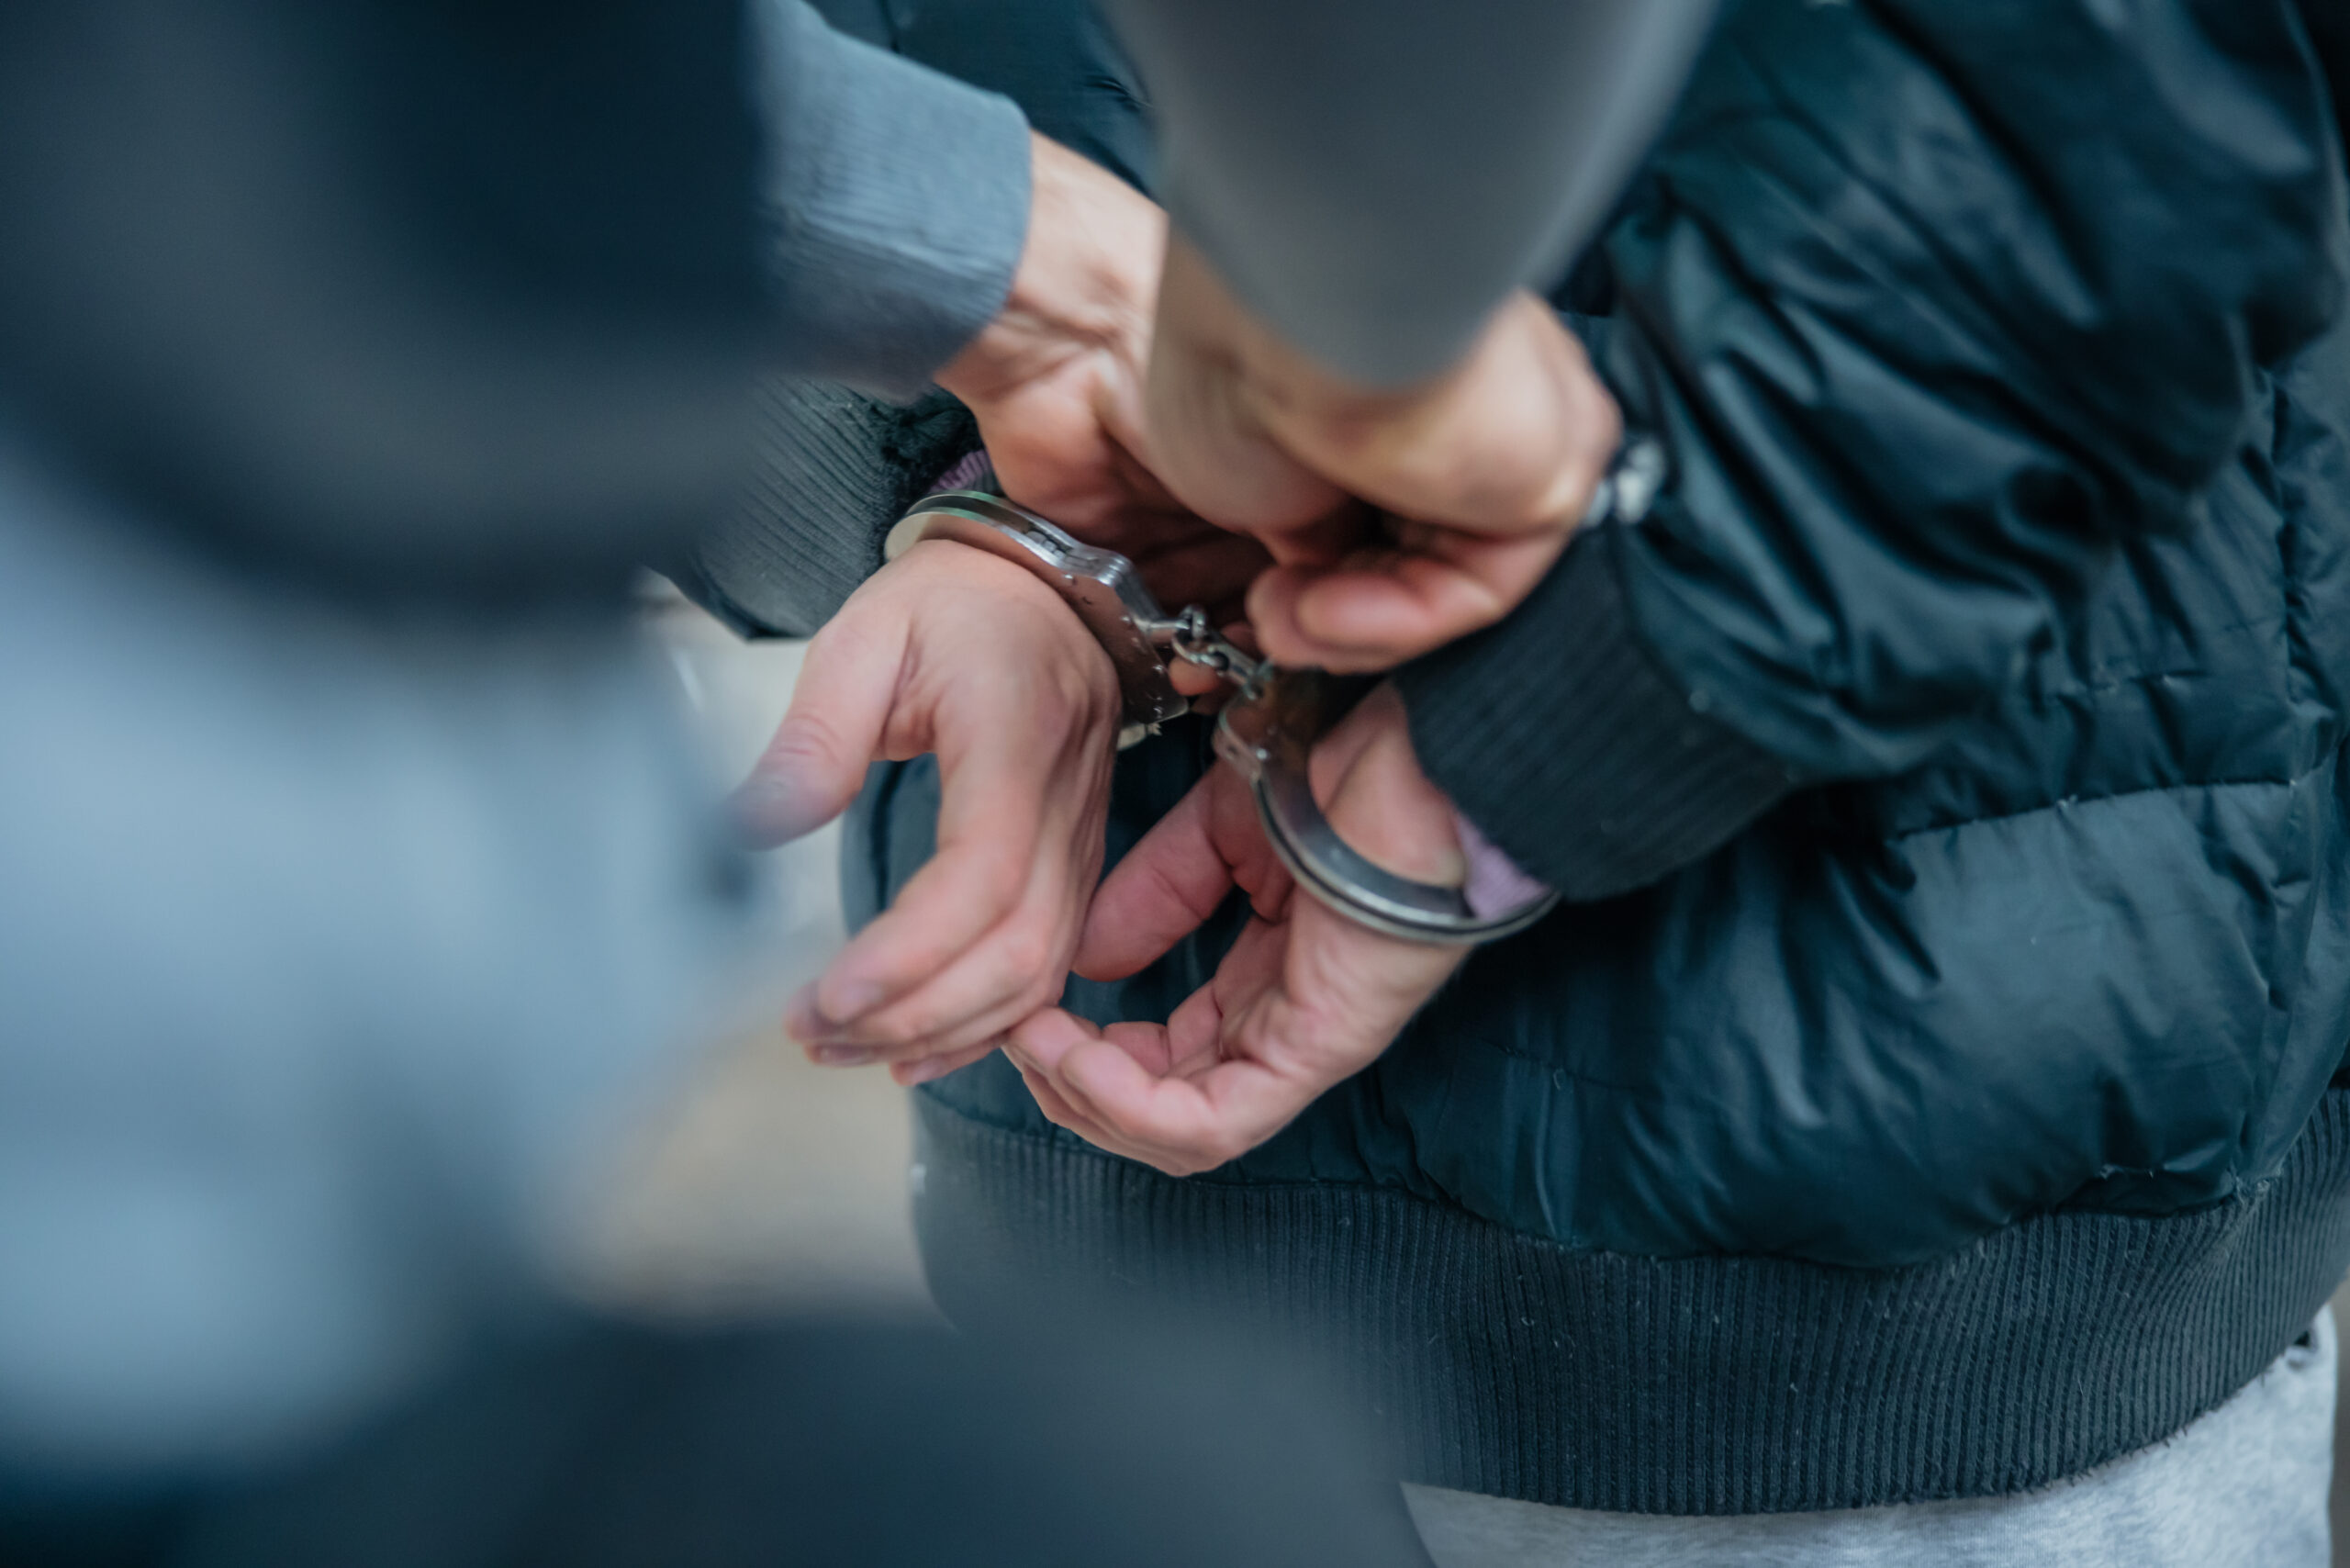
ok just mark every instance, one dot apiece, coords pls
pixel 1999 349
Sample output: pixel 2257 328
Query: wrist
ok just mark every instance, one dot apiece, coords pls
pixel 1029 617
pixel 1280 385
pixel 1507 440
pixel 1087 282
pixel 1381 802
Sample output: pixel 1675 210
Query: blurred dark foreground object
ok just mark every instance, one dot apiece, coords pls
pixel 442 299
pixel 603 1446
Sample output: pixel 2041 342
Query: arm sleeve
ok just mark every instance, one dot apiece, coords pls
pixel 834 470
pixel 1933 307
pixel 896 203
pixel 1372 177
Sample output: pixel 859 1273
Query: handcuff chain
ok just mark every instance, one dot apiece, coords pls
pixel 1196 642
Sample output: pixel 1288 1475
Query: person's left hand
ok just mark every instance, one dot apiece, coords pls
pixel 951 651
pixel 1305 999
pixel 1055 381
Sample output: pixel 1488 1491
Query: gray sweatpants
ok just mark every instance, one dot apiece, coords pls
pixel 2243 1487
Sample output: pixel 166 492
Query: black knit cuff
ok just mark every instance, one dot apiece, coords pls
pixel 835 470
pixel 1564 740
pixel 896 201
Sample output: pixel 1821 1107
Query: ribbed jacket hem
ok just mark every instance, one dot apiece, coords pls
pixel 1511 1366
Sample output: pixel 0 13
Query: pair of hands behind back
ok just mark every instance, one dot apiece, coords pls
pixel 952 652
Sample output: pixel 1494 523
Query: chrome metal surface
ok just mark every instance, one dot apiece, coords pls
pixel 1100 585
pixel 1268 732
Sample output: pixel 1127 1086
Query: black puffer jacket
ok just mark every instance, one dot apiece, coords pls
pixel 1994 347
pixel 1926 1093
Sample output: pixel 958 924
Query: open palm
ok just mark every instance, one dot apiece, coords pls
pixel 1305 999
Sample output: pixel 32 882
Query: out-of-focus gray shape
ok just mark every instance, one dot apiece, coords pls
pixel 329 948
pixel 402 297
pixel 1371 176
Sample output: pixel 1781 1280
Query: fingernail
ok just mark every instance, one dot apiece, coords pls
pixel 923 1071
pixel 771 808
pixel 841 1056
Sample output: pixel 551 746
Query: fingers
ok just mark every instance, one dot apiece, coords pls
pixel 1011 971
pixel 910 1073
pixel 1499 456
pixel 1166 886
pixel 1188 1042
pixel 1098 1085
pixel 814 767
pixel 1202 565
pixel 1177 876
pixel 1181 1125
pixel 1055 1026
pixel 1511 441
pixel 1018 703
pixel 1344 992
pixel 965 891
pixel 1194 680
pixel 1049 1099
pixel 1012 824
pixel 1379 609
pixel 1292 1012
pixel 1300 1001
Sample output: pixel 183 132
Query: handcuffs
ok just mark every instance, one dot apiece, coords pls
pixel 1268 727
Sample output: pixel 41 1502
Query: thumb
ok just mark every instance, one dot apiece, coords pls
pixel 1374 613
pixel 1166 886
pixel 1345 990
pixel 814 767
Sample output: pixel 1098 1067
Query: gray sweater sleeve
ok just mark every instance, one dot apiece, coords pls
pixel 896 203
pixel 1371 176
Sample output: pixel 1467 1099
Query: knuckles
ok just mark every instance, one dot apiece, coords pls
pixel 901 1032
pixel 1031 950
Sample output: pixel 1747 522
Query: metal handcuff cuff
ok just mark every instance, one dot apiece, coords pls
pixel 1268 727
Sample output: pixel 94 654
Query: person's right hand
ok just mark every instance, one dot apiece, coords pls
pixel 952 651
pixel 1305 999
pixel 1482 474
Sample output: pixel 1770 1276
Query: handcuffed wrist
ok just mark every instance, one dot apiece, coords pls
pixel 1565 739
